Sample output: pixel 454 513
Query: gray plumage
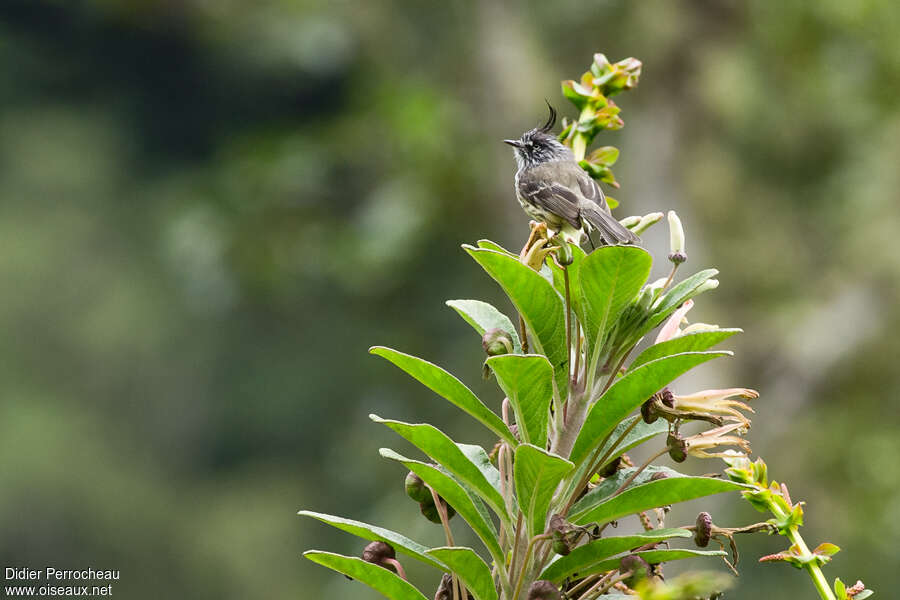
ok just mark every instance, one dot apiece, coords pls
pixel 554 189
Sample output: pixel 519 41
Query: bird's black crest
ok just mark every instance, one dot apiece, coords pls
pixel 551 120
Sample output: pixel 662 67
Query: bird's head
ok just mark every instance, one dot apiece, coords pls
pixel 538 145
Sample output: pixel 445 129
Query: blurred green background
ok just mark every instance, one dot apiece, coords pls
pixel 210 210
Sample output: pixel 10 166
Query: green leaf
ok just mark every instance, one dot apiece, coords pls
pixel 489 245
pixel 840 589
pixel 537 302
pixel 594 507
pixel 605 155
pixel 675 297
pixel 448 386
pixel 575 96
pixel 483 317
pixel 480 459
pixel 691 342
pixel 527 380
pixel 640 433
pixel 582 557
pixel 378 578
pixel 653 557
pixel 628 393
pixel 609 485
pixel 473 571
pixel 436 444
pixel 456 496
pixel 610 277
pixel 374 533
pixel 537 473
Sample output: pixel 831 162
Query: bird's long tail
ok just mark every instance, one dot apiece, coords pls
pixel 612 231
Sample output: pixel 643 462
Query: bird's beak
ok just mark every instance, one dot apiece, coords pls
pixel 513 143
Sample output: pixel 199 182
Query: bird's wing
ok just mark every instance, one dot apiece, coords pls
pixel 595 210
pixel 612 231
pixel 591 191
pixel 551 197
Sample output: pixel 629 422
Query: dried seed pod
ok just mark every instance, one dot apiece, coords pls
pixel 543 590
pixel 377 552
pixel 704 530
pixel 636 565
pixel 647 413
pixel 445 589
pixel 659 475
pixel 667 397
pixel 416 488
pixel 611 467
pixel 677 448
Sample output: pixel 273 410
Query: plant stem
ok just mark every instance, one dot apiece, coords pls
pixel 525 558
pixel 671 277
pixel 580 141
pixel 638 471
pixel 595 464
pixel 445 521
pixel 396 564
pixel 603 586
pixel 523 333
pixel 814 570
pixel 577 357
pixel 589 580
pixel 515 549
pixel 565 270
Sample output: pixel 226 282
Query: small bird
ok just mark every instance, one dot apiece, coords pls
pixel 554 190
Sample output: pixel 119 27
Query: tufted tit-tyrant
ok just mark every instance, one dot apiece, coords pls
pixel 553 189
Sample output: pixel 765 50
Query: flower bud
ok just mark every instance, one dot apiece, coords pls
pixel 703 530
pixel 496 342
pixel 709 284
pixel 646 221
pixel 377 552
pixel 430 511
pixel 676 239
pixel 543 590
pixel 646 297
pixel 564 255
pixel 677 448
pixel 559 528
pixel 699 328
pixel 416 488
pixel 630 222
pixel 561 546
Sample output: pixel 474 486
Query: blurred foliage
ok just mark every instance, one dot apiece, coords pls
pixel 211 209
